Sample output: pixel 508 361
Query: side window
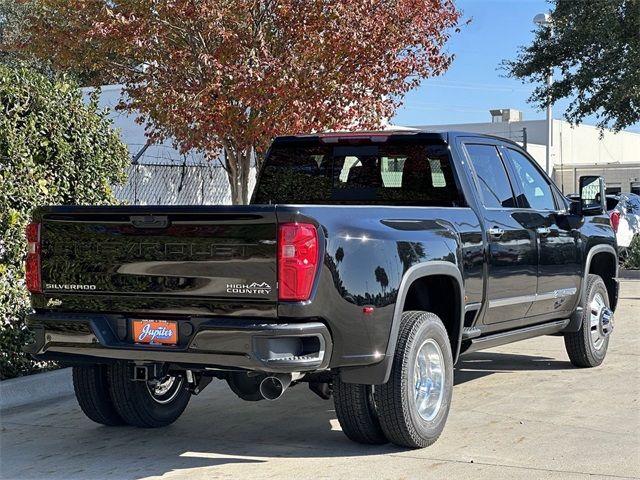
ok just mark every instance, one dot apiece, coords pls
pixel 535 188
pixel 492 177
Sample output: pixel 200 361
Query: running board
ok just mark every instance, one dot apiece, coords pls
pixel 502 338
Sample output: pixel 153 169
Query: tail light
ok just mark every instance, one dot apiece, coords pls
pixel 615 220
pixel 34 282
pixel 297 260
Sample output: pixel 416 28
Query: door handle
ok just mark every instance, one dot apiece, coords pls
pixel 496 232
pixel 543 231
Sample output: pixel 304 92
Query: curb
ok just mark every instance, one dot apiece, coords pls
pixel 629 274
pixel 35 388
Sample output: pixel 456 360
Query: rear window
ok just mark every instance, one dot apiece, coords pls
pixel 391 174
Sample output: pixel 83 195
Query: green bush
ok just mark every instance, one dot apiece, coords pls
pixel 632 257
pixel 55 148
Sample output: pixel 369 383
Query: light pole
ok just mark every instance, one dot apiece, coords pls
pixel 544 20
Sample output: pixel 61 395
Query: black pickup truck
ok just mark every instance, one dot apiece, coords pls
pixel 366 264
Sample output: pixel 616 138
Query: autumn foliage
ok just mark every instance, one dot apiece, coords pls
pixel 232 74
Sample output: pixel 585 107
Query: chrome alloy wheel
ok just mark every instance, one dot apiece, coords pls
pixel 601 318
pixel 429 380
pixel 166 389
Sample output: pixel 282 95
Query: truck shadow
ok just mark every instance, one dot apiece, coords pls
pixel 216 430
pixel 480 364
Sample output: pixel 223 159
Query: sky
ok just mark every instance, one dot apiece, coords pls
pixel 474 84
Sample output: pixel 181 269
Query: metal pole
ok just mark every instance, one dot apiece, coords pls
pixel 549 126
pixel 524 138
pixel 561 164
pixel 137 156
pixel 544 20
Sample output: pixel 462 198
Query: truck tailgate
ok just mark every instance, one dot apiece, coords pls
pixel 197 259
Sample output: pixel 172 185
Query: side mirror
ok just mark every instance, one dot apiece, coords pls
pixel 592 196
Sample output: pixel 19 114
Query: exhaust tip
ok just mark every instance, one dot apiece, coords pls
pixel 272 388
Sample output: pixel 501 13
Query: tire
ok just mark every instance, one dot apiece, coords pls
pixel 396 400
pixel 356 412
pixel 91 385
pixel 136 404
pixel 583 350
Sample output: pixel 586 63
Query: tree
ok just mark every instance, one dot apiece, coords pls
pixel 381 277
pixel 12 23
pixel 595 45
pixel 410 253
pixel 632 257
pixel 230 75
pixel 54 149
pixel 14 31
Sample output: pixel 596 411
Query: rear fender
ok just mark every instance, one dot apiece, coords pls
pixel 576 317
pixel 380 372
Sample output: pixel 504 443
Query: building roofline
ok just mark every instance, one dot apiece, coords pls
pixel 595 166
pixel 518 124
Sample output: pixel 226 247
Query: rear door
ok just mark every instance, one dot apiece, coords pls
pixel 512 256
pixel 191 260
pixel 559 258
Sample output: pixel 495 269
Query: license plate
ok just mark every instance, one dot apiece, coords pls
pixel 163 332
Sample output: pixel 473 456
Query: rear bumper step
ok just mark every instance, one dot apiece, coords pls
pixel 249 344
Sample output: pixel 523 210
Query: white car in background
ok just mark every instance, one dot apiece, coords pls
pixel 625 218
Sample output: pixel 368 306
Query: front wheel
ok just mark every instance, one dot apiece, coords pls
pixel 414 404
pixel 151 404
pixel 588 346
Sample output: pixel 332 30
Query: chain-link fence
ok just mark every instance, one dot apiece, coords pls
pixel 186 184
pixel 156 177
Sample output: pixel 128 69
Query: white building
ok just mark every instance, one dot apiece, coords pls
pixel 575 151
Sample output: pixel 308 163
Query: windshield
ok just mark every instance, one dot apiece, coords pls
pixel 391 174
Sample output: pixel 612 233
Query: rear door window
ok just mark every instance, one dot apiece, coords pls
pixel 491 176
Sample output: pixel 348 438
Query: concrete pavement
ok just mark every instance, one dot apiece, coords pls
pixel 26 390
pixel 519 411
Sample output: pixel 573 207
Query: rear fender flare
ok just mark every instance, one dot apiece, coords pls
pixel 576 316
pixel 380 372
